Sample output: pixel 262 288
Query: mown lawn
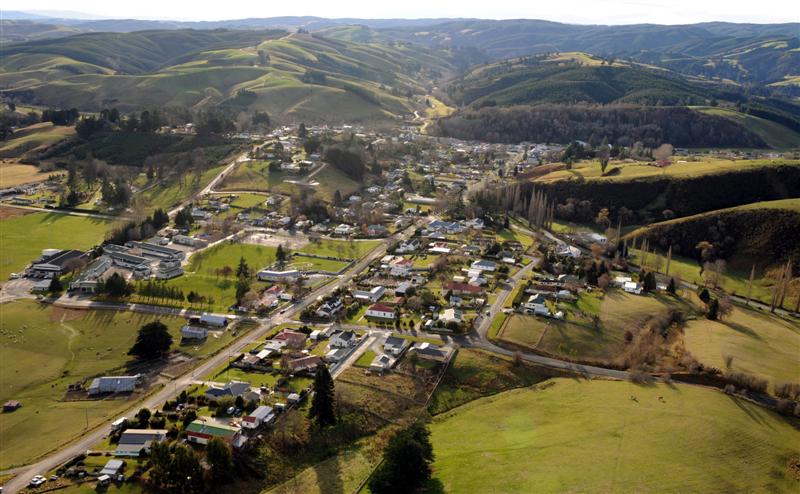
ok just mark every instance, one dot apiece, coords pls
pixel 343 249
pixel 43 349
pixel 201 273
pixel 604 436
pixel 760 344
pixel 23 238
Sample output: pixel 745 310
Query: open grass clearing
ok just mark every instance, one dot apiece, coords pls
pixel 13 174
pixel 760 344
pixel 23 238
pixel 680 168
pixel 475 373
pixel 604 436
pixel 43 349
pixel 342 249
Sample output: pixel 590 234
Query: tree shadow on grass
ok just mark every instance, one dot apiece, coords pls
pixel 433 486
pixel 751 412
pixel 743 330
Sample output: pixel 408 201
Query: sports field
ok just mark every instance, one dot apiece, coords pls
pixel 22 238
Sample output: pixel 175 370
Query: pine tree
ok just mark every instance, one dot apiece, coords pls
pixel 55 285
pixel 243 270
pixel 713 309
pixel 406 462
pixel 321 411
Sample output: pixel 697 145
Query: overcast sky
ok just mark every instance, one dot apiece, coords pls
pixel 575 11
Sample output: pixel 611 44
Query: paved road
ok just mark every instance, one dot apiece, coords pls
pixel 184 381
pixel 213 183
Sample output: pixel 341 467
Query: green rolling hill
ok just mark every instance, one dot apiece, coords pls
pixel 297 75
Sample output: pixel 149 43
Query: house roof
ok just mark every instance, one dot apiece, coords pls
pixel 211 427
pixel 141 436
pixel 462 287
pixel 381 308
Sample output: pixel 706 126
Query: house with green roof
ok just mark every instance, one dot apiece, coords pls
pixel 202 430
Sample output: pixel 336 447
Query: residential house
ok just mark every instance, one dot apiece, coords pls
pixel 377 231
pixel 536 305
pixel 372 296
pixel 343 230
pixel 381 363
pixel 380 311
pixel 193 332
pixel 262 415
pixel 484 265
pixel 232 389
pixel 291 339
pixel 202 430
pixel 439 248
pixel 330 308
pixel 304 364
pixel 113 384
pixel 343 339
pixel 409 246
pixel 461 289
pixel 395 346
pixel 403 288
pixel 429 351
pixel 452 315
pixel 336 355
pixel 450 227
pixel 133 442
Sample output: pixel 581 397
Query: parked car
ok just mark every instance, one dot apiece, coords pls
pixel 37 481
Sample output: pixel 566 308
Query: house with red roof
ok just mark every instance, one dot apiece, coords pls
pixel 380 311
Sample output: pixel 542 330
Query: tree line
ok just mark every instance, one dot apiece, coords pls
pixel 621 124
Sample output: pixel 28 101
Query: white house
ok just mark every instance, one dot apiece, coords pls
pixel 343 230
pixel 344 339
pixel 452 315
pixel 372 296
pixel 395 346
pixel 381 363
pixel 380 311
pixel 262 415
pixel 484 265
pixel 536 305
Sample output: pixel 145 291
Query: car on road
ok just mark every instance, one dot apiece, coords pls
pixel 13 276
pixel 37 481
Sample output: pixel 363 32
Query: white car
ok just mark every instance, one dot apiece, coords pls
pixel 37 481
